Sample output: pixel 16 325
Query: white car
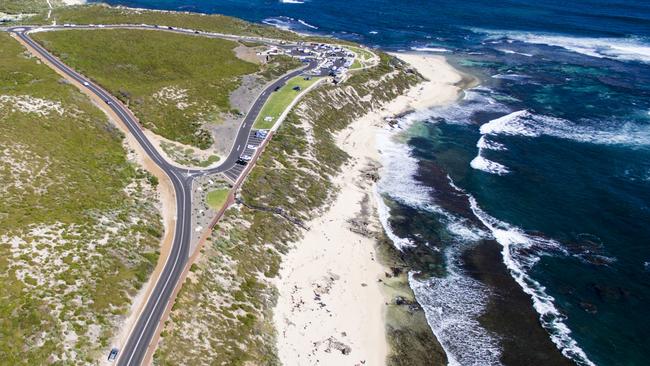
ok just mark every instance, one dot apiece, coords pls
pixel 86 83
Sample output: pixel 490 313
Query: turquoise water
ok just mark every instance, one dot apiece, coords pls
pixel 549 158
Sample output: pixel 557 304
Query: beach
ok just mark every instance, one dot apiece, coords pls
pixel 331 302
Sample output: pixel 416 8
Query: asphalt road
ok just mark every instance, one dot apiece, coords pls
pixel 135 349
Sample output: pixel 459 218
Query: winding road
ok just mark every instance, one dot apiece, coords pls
pixel 142 333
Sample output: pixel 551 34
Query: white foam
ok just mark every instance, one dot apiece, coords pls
pixel 623 49
pixel 486 144
pixel 292 2
pixel 373 32
pixel 307 24
pixel 525 123
pixel 399 168
pixel 278 23
pixel 451 305
pixel 514 77
pixel 430 49
pixel 507 51
pixel 518 250
pixel 488 166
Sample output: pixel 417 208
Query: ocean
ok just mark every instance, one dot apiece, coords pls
pixel 524 209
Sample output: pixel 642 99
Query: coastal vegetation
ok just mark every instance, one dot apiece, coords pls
pixel 280 100
pixel 222 314
pixel 79 228
pixel 22 6
pixel 175 84
pixel 103 14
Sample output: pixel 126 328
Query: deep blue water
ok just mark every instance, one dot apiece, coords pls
pixel 551 152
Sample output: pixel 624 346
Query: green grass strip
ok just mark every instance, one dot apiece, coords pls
pixel 280 100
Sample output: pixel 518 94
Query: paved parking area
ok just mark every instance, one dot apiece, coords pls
pixel 252 144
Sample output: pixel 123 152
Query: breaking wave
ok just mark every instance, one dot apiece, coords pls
pixel 430 49
pixel 488 166
pixel 526 123
pixel 451 305
pixel 622 49
pixel 520 253
pixel 288 23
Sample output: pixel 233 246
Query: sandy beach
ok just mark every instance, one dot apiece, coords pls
pixel 331 305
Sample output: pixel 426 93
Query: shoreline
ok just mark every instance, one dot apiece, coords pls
pixel 334 295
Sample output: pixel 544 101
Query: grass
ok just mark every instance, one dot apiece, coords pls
pixel 173 83
pixel 66 187
pixel 217 198
pixel 280 100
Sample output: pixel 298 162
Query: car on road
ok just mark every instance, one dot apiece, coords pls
pixel 108 102
pixel 277 88
pixel 86 83
pixel 113 355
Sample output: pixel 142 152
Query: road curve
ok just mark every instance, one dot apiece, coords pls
pixel 136 347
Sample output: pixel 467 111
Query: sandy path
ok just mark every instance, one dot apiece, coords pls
pixel 330 301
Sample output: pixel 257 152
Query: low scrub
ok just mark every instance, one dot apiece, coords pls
pixel 79 228
pixel 174 83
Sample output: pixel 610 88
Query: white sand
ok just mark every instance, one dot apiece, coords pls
pixel 340 265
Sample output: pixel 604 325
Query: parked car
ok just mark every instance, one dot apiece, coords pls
pixel 260 134
pixel 113 355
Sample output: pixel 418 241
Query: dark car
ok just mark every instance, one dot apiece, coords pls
pixel 261 134
pixel 113 355
pixel 277 88
pixel 241 161
pixel 296 88
pixel 170 27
